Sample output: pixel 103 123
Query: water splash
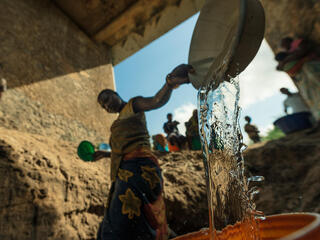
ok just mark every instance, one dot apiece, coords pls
pixel 256 179
pixel 229 197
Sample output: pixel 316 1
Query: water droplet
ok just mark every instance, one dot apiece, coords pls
pixel 261 217
pixel 256 179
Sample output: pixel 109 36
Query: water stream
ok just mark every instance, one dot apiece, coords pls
pixel 229 197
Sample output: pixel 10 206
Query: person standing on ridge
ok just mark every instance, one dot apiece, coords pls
pixel 135 208
pixel 251 130
pixel 293 101
pixel 170 127
pixel 3 86
pixel 173 135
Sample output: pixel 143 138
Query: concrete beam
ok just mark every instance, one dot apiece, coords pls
pixel 92 15
pixel 135 16
pixel 127 37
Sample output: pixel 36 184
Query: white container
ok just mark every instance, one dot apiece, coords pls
pixel 226 38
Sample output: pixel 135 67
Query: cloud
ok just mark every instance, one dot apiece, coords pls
pixel 261 79
pixel 182 115
pixel 265 129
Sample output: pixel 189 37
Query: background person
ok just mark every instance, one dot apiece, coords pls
pixel 297 52
pixel 251 130
pixel 3 86
pixel 160 143
pixel 192 131
pixel 175 139
pixel 170 127
pixel 293 102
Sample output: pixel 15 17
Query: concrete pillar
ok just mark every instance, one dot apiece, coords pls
pixel 54 73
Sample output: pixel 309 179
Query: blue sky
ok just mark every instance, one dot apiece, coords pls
pixel 143 74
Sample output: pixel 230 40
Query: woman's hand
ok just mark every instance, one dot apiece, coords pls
pixel 179 75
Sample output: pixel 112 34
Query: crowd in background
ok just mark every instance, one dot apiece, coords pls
pixel 294 55
pixel 175 141
pixel 295 52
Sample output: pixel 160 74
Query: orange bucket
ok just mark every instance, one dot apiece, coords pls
pixel 173 148
pixel 292 226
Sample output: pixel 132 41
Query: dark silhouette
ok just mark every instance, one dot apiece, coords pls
pixel 251 130
pixel 192 131
pixel 173 135
pixel 293 101
pixel 3 86
pixel 296 53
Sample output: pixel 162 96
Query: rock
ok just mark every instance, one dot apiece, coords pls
pixel 291 169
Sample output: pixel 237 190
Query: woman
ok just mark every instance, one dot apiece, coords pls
pixel 136 207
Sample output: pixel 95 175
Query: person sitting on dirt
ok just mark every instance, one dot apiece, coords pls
pixel 3 86
pixel 160 143
pixel 291 68
pixel 136 207
pixel 251 130
pixel 175 139
pixel 294 102
pixel 297 52
pixel 192 131
pixel 291 45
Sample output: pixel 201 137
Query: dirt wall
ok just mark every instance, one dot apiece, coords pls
pixel 291 18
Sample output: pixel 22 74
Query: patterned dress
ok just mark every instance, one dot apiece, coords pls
pixel 136 208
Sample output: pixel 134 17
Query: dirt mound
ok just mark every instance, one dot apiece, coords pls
pixel 291 167
pixel 48 193
pixel 185 191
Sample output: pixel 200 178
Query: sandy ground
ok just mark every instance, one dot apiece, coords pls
pixel 47 192
pixel 291 167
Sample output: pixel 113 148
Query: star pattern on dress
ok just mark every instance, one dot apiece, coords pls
pixel 124 175
pixel 150 175
pixel 130 204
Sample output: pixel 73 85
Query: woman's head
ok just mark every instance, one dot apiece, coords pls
pixel 285 91
pixel 110 101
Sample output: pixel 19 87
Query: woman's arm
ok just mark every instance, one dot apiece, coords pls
pixel 142 104
pixel 178 76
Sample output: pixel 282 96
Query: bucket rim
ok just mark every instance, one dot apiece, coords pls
pixel 310 227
